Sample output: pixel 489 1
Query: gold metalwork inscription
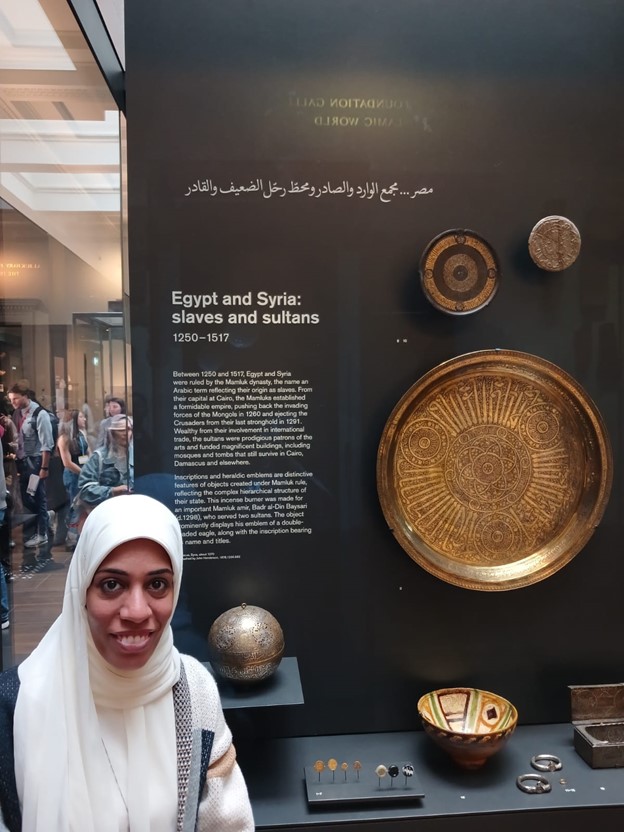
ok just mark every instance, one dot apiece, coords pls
pixel 459 272
pixel 494 469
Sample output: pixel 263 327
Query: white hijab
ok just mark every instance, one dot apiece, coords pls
pixel 61 767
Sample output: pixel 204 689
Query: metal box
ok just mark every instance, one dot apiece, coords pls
pixel 598 717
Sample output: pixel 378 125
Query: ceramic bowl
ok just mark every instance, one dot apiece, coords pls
pixel 469 724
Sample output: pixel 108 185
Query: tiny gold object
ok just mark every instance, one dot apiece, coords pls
pixel 332 764
pixel 319 766
pixel 554 243
pixel 345 768
pixel 357 767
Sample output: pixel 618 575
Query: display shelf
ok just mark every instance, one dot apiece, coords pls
pixel 282 688
pixel 341 788
pixel 454 798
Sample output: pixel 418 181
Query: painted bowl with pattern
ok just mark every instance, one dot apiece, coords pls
pixel 469 724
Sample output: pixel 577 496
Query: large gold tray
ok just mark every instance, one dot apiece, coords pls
pixel 494 469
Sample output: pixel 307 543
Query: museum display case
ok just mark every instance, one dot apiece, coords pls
pixel 369 318
pixel 386 300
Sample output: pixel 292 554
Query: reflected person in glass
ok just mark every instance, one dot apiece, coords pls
pixel 110 470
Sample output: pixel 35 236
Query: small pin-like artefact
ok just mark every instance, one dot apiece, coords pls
pixel 381 771
pixel 319 766
pixel 345 768
pixel 332 765
pixel 408 771
pixel 357 767
pixel 393 771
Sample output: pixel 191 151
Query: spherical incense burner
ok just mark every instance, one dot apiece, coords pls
pixel 246 644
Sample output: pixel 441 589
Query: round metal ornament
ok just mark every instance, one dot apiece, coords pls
pixel 554 243
pixel 533 783
pixel 246 644
pixel 546 762
pixel 494 470
pixel 459 272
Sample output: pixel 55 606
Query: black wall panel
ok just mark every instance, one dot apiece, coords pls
pixel 508 112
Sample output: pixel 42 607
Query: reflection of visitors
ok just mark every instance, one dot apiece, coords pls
pixel 113 728
pixel 8 436
pixel 74 451
pixel 9 439
pixel 35 445
pixel 110 470
pixel 91 424
pixel 4 596
pixel 113 406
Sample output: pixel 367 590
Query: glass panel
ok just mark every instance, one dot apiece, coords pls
pixel 62 327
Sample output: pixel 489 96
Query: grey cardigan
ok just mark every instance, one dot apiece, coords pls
pixel 209 779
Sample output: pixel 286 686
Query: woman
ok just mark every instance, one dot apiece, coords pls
pixel 4 595
pixel 8 437
pixel 113 406
pixel 74 452
pixel 113 729
pixel 110 470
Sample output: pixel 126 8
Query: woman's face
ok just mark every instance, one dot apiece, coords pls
pixel 129 603
pixel 121 438
pixel 82 420
pixel 114 408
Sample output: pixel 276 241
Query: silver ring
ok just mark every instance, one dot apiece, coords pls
pixel 541 783
pixel 546 762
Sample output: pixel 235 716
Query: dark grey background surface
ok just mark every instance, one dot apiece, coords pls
pixel 523 110
pixel 453 799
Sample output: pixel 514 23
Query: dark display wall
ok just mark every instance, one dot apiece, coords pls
pixel 288 165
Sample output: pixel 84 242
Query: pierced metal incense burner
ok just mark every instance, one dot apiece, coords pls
pixel 246 644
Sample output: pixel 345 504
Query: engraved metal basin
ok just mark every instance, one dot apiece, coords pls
pixel 494 469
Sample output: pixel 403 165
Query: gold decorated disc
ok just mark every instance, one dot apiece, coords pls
pixel 554 243
pixel 494 469
pixel 459 272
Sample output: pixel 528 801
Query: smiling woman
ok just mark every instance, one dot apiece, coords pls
pixel 130 602
pixel 113 728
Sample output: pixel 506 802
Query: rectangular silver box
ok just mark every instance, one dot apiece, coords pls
pixel 598 718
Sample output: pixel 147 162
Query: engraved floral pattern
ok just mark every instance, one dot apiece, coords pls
pixel 486 471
